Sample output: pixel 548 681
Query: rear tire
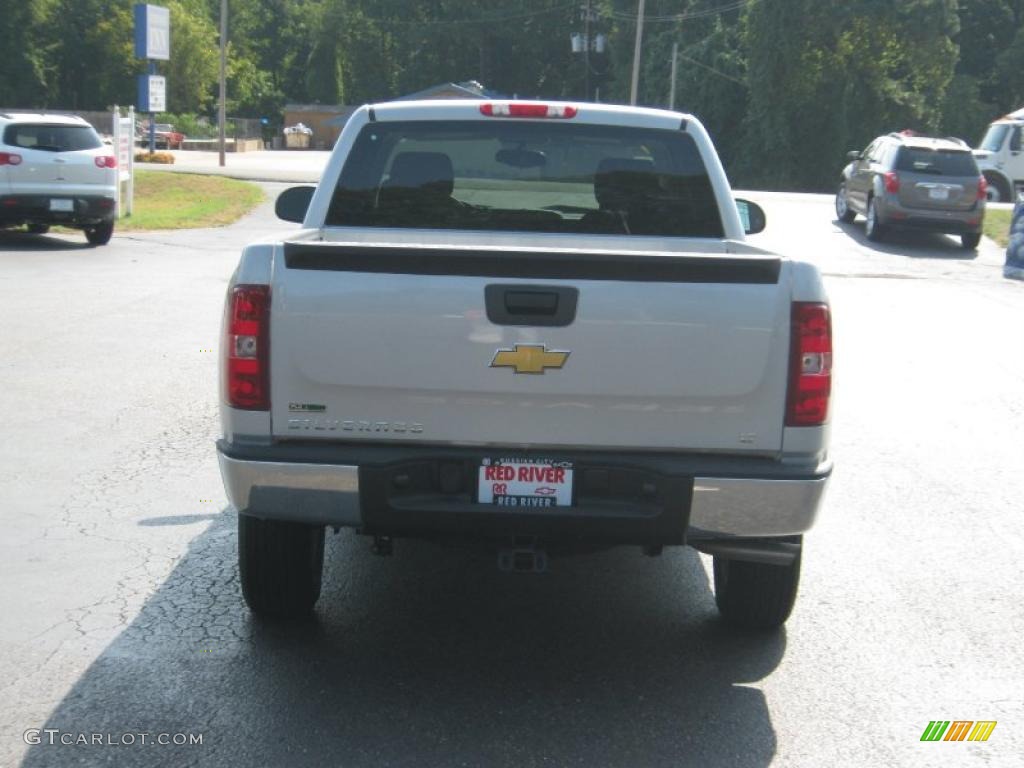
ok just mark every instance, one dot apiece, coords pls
pixel 998 190
pixel 872 228
pixel 843 211
pixel 970 240
pixel 755 595
pixel 280 565
pixel 38 229
pixel 100 234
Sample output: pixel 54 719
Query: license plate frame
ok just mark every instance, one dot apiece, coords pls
pixel 525 483
pixel 62 205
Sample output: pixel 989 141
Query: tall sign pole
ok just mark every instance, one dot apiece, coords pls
pixel 152 42
pixel 586 52
pixel 636 53
pixel 221 120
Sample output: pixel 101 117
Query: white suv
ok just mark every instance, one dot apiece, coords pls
pixel 55 170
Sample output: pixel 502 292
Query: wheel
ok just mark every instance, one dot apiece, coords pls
pixel 970 240
pixel 872 227
pixel 38 229
pixel 100 234
pixel 755 595
pixel 280 565
pixel 998 189
pixel 843 210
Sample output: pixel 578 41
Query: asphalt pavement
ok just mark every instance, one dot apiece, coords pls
pixel 120 605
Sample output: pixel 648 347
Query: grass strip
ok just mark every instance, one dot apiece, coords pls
pixel 997 226
pixel 188 201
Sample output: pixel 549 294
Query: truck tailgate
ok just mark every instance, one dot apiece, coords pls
pixel 685 352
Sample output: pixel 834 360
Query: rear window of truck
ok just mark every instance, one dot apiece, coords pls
pixel 49 137
pixel 530 177
pixel 940 162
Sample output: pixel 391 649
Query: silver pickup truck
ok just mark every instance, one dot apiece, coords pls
pixel 531 326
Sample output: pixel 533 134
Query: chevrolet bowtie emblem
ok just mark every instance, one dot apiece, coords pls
pixel 529 358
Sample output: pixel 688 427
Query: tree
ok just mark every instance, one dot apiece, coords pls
pixel 23 82
pixel 830 75
pixel 193 69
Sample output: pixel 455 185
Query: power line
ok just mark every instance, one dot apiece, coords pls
pixel 712 69
pixel 686 15
pixel 479 20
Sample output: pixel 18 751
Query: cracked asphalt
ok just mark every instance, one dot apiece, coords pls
pixel 120 611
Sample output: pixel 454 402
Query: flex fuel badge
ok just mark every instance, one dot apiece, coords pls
pixel 306 408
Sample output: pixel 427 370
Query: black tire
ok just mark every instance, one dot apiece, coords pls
pixel 280 565
pixel 755 595
pixel 970 240
pixel 38 229
pixel 872 227
pixel 998 190
pixel 100 234
pixel 843 210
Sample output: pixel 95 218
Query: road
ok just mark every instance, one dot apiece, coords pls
pixel 121 610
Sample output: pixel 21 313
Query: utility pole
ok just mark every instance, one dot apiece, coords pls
pixel 221 120
pixel 672 80
pixel 636 53
pixel 586 52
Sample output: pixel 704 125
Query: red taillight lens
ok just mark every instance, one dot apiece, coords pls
pixel 247 348
pixel 512 109
pixel 9 158
pixel 892 182
pixel 107 161
pixel 982 188
pixel 810 366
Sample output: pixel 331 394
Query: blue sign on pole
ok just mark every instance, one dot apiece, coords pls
pixel 152 32
pixel 152 93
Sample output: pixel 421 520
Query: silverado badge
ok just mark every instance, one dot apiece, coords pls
pixel 529 358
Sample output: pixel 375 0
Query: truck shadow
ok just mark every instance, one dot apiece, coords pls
pixel 909 243
pixel 431 657
pixel 23 241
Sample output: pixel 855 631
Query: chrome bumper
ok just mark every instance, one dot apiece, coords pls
pixel 754 507
pixel 308 493
pixel 329 494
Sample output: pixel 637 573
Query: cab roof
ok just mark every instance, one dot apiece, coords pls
pixel 582 112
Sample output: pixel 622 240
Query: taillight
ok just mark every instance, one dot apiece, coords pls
pixel 810 365
pixel 982 188
pixel 518 109
pixel 247 346
pixel 106 161
pixel 9 158
pixel 892 182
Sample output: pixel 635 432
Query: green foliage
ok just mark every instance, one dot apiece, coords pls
pixel 784 87
pixel 827 76
pixel 194 65
pixel 25 68
pixel 964 113
pixel 190 124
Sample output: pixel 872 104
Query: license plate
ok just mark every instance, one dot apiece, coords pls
pixel 58 204
pixel 938 193
pixel 525 483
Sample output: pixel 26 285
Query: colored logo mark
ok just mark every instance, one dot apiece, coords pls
pixel 529 358
pixel 958 730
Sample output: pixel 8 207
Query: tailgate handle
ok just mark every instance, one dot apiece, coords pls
pixel 531 302
pixel 542 305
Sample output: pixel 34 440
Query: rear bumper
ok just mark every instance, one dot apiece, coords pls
pixel 955 222
pixel 86 209
pixel 425 491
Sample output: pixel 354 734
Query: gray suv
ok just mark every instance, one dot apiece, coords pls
pixel 905 180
